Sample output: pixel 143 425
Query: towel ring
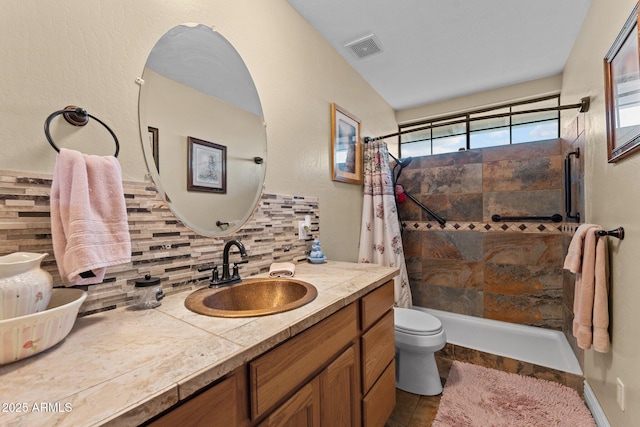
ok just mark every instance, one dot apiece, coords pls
pixel 76 116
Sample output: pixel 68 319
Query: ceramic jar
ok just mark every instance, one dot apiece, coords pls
pixel 25 288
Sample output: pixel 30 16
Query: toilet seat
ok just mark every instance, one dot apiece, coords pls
pixel 415 322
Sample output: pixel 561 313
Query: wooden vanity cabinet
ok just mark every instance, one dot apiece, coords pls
pixel 339 372
pixel 378 356
pixel 225 404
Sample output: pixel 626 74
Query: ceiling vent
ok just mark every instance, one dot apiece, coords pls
pixel 364 46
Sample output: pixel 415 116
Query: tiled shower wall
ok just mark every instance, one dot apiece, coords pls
pixel 573 140
pixel 161 245
pixel 510 271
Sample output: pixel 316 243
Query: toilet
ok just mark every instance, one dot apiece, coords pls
pixel 418 336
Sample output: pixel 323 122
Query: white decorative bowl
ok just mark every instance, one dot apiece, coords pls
pixel 25 288
pixel 24 336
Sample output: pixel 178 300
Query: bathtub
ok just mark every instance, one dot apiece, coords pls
pixel 544 347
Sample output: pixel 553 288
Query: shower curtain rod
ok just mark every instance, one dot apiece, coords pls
pixel 583 106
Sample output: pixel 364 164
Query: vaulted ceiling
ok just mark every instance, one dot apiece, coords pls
pixel 434 50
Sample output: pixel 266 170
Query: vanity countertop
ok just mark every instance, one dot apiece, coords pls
pixel 122 367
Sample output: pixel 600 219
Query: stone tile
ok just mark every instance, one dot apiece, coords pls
pixel 453 273
pixel 449 159
pixel 467 246
pixel 412 179
pixel 455 179
pixel 512 279
pixel 456 300
pixel 412 243
pixel 425 412
pixel 522 151
pixel 523 203
pixel 523 249
pixel 454 207
pixel 406 404
pixel 535 173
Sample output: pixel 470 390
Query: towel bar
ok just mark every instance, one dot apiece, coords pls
pixel 78 117
pixel 618 233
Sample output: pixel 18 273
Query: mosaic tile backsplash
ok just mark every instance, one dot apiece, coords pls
pixel 161 245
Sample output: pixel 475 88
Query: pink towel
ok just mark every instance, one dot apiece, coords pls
pixel 587 259
pixel 88 217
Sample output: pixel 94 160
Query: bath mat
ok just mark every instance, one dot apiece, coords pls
pixel 477 396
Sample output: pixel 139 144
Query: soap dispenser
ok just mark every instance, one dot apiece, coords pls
pixel 149 292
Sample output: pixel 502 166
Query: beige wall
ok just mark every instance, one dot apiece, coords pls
pixel 612 199
pixel 57 53
pixel 535 88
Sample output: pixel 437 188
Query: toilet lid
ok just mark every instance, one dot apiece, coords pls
pixel 416 322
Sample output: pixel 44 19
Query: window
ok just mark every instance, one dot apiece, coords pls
pixel 526 121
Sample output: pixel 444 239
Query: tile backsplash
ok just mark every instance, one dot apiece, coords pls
pixel 160 244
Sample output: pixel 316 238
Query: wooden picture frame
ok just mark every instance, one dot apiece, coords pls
pixel 206 166
pixel 622 91
pixel 155 145
pixel 346 146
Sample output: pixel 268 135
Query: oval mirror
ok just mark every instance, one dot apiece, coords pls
pixel 202 129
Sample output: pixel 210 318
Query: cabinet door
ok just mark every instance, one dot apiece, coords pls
pixel 301 410
pixel 340 391
pixel 223 405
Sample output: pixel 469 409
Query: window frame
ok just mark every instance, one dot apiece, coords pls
pixel 466 118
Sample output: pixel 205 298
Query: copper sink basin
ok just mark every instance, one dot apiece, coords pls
pixel 252 297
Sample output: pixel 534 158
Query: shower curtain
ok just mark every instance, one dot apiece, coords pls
pixel 380 240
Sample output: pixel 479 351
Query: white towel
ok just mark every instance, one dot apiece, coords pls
pixel 282 269
pixel 88 217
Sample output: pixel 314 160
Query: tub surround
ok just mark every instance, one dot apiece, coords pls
pixel 510 271
pixel 124 366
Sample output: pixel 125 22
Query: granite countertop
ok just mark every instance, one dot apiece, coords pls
pixel 122 367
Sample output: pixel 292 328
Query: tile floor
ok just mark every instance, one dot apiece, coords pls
pixel 413 410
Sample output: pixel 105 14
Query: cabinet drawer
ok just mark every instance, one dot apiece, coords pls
pixel 375 304
pixel 378 404
pixel 283 369
pixel 378 348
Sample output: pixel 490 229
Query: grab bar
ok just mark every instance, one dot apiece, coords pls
pixel 554 218
pixel 567 185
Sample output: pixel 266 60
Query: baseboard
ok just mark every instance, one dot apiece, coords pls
pixel 594 406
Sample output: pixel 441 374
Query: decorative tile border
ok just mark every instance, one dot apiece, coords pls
pixel 161 245
pixel 483 227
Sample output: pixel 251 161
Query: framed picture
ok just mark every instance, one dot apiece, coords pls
pixel 153 140
pixel 346 148
pixel 622 91
pixel 207 166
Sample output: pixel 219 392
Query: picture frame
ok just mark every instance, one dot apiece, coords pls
pixel 206 166
pixel 155 147
pixel 622 91
pixel 346 146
